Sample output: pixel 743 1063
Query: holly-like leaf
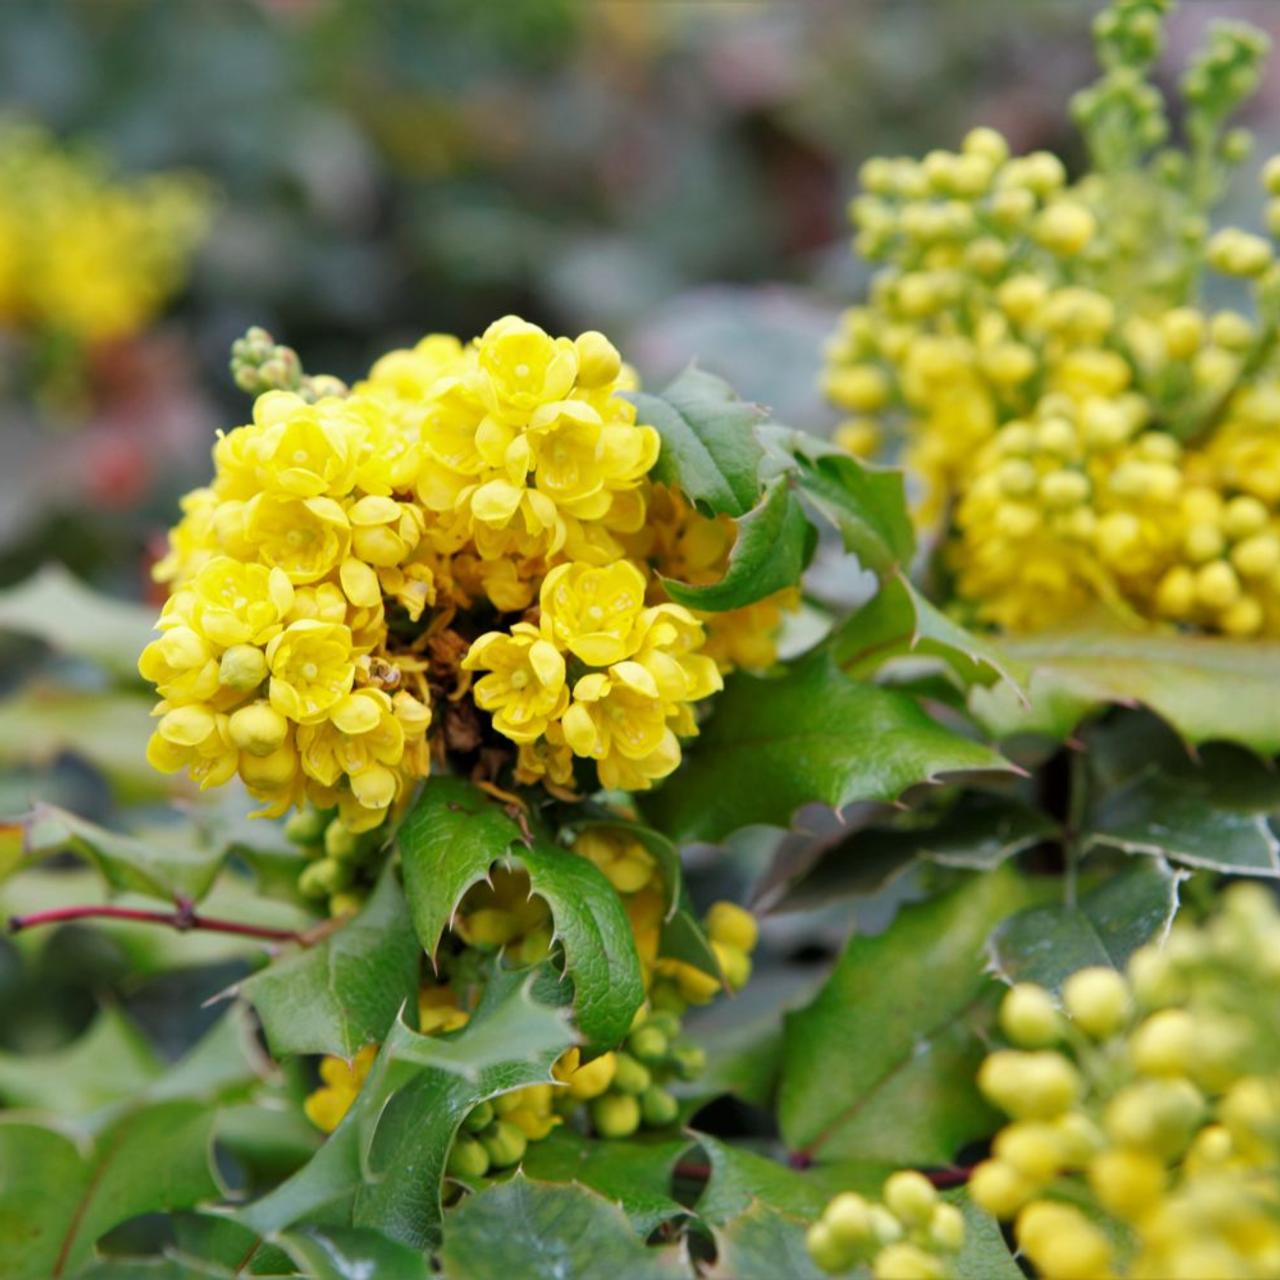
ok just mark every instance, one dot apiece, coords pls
pixel 545 1231
pixel 158 867
pixel 762 1243
pixel 348 1253
pixel 448 843
pixel 383 1167
pixel 635 1175
pixel 880 1065
pixel 58 609
pixel 773 545
pixel 1175 818
pixel 867 505
pixel 811 735
pixel 345 991
pixel 112 1060
pixel 709 447
pixel 59 1195
pixel 1048 944
pixel 899 622
pixel 1205 687
pixel 984 1255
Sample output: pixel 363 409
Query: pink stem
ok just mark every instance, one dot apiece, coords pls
pixel 182 919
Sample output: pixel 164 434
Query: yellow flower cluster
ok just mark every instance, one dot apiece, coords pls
pixel 324 584
pixel 1145 1140
pixel 83 254
pixel 640 673
pixel 909 1236
pixel 1085 430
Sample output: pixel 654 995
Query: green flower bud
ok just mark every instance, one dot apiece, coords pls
pixel 505 1143
pixel 615 1115
pixel 307 826
pixel 340 841
pixel 658 1107
pixel 690 1061
pixel 630 1076
pixel 648 1044
pixel 468 1160
pixel 323 878
pixel 243 667
pixel 479 1118
pixel 347 903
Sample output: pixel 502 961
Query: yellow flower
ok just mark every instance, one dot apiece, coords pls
pixel 234 603
pixel 182 666
pixel 594 613
pixel 194 738
pixel 525 688
pixel 626 863
pixel 342 1082
pixel 306 537
pixel 311 669
pixel 525 367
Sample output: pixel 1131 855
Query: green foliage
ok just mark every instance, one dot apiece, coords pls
pixel 345 991
pixel 448 843
pixel 543 1231
pixel 809 736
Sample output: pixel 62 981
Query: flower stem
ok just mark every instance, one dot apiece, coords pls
pixel 183 918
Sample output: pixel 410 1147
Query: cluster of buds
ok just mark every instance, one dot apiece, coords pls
pixel 1088 432
pixel 911 1234
pixel 1145 1134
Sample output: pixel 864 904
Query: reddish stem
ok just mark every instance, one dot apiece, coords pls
pixel 182 919
pixel 943 1178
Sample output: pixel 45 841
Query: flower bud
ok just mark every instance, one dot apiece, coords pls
pixel 479 1118
pixel 598 360
pixel 307 826
pixel 322 878
pixel 1165 1044
pixel 904 1261
pixel 823 1248
pixel 505 1144
pixel 468 1160
pixel 593 1078
pixel 1029 1018
pixel 999 1188
pixel 243 667
pixel 258 729
pixel 648 1044
pixel 615 1115
pixel 658 1108
pixel 910 1197
pixel 946 1228
pixel 1098 1001
pixel 630 1076
pixel 729 924
pixel 1127 1183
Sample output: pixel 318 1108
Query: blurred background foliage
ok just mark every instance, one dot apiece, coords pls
pixel 672 173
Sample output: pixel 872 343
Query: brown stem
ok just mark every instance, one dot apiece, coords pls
pixel 943 1178
pixel 182 919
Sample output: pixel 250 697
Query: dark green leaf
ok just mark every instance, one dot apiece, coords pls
pixel 1048 944
pixel 880 1066
pixel 383 1167
pixel 763 1244
pixel 985 1255
pixel 346 1253
pixel 898 621
pixel 866 504
pixel 636 1175
pixel 773 545
pixel 709 447
pixel 345 991
pixel 811 735
pixel 542 1231
pixel 448 842
pixel 1206 687
pixel 57 1198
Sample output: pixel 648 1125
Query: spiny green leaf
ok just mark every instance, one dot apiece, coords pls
pixel 347 1253
pixel 383 1167
pixel 1048 944
pixel 898 621
pixel 762 1243
pixel 880 1066
pixel 1175 818
pixel 58 1198
pixel 345 991
pixel 985 1255
pixel 57 608
pixel 112 1060
pixel 1206 687
pixel 636 1175
pixel 866 504
pixel 709 448
pixel 811 735
pixel 157 867
pixel 544 1231
pixel 448 843
pixel 773 545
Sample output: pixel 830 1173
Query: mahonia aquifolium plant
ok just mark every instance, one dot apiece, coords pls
pixel 1088 433
pixel 454 566
pixel 86 255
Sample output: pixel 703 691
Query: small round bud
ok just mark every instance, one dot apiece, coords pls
pixel 648 1044
pixel 593 1078
pixel 346 902
pixel 1217 586
pixel 307 826
pixel 479 1118
pixel 910 1197
pixel 823 1248
pixel 340 841
pixel 615 1115
pixel 1244 516
pixel 468 1160
pixel 1165 1044
pixel 505 1144
pixel 1271 176
pixel 736 965
pixel 729 924
pixel 1127 1183
pixel 904 1261
pixel 243 667
pixel 658 1108
pixel 848 1217
pixel 946 1228
pixel 1029 1017
pixel 598 360
pixel 258 728
pixel 1065 227
pixel 1098 1001
pixel 999 1188
pixel 1032 1147
pixel 690 1061
pixel 322 878
pixel 630 1076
